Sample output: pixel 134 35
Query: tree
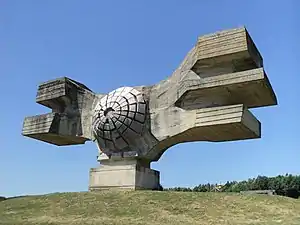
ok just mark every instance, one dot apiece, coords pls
pixel 287 185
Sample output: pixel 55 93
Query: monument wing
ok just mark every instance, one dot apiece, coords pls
pixel 69 122
pixel 208 97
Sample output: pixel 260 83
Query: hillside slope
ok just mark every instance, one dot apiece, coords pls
pixel 147 207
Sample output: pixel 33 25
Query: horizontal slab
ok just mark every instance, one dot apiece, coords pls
pixel 50 128
pixel 58 93
pixel 225 52
pixel 56 139
pixel 251 88
pixel 38 124
pixel 226 123
pixel 214 124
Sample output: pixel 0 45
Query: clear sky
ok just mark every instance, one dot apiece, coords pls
pixel 108 44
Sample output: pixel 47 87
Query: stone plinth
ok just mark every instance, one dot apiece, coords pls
pixel 127 174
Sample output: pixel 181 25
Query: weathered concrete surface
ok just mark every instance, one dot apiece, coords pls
pixel 226 52
pixel 207 98
pixel 129 174
pixel 69 123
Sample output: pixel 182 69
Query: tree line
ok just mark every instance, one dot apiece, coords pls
pixel 286 185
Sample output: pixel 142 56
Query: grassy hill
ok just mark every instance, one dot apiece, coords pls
pixel 148 207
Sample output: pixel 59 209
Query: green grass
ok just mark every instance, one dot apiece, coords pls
pixel 148 207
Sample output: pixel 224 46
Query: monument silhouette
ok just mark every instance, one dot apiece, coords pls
pixel 207 98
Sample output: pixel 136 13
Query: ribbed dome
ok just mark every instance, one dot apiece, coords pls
pixel 119 117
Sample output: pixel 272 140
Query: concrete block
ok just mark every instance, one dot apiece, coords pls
pixel 123 174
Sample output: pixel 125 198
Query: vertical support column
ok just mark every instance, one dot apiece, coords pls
pixel 129 173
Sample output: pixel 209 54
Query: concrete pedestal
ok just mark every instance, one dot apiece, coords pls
pixel 130 174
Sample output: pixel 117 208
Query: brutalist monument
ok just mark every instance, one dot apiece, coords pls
pixel 205 99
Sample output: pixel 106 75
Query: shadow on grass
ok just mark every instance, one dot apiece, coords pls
pixel 4 198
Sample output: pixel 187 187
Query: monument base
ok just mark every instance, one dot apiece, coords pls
pixel 126 174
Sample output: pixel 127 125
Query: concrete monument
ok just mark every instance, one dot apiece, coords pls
pixel 207 98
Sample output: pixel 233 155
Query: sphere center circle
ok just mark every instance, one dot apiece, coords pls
pixel 108 111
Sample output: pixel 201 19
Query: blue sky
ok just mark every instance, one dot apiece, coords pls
pixel 108 44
